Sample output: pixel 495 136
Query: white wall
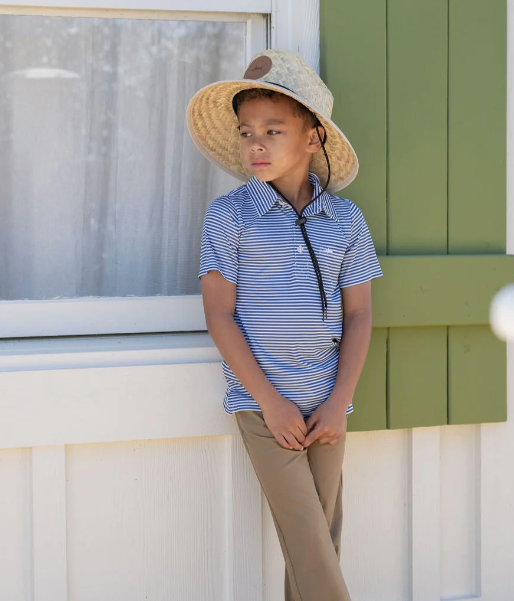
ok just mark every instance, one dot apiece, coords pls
pixel 162 513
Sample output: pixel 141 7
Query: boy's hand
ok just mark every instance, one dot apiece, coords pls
pixel 286 423
pixel 327 424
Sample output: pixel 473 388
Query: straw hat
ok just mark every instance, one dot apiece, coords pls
pixel 212 122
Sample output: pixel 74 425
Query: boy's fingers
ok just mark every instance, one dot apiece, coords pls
pixel 282 441
pixel 292 442
pixel 299 435
pixel 311 437
pixel 302 426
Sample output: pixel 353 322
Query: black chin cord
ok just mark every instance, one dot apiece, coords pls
pixel 324 303
pixel 301 223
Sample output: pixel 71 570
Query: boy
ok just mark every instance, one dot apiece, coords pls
pixel 278 254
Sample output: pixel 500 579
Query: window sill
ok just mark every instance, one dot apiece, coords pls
pixel 106 351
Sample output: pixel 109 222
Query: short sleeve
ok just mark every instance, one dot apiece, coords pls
pixel 220 240
pixel 360 263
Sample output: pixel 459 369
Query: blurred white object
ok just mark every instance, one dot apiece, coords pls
pixel 501 313
pixel 44 73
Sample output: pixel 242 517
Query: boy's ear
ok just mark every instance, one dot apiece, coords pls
pixel 314 143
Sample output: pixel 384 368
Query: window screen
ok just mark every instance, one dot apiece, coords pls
pixel 102 192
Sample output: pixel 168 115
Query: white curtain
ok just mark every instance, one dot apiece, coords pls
pixel 102 192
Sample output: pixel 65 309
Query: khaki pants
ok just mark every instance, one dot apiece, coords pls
pixel 304 492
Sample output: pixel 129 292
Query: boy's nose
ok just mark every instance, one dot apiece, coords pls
pixel 257 145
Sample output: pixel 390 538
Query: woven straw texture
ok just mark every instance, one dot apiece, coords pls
pixel 213 124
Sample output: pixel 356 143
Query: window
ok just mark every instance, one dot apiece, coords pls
pixel 103 192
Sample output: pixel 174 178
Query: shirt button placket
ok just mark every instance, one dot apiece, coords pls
pixel 299 251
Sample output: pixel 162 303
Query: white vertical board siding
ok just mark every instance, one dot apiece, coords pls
pixel 497 500
pixel 273 560
pixel 49 523
pixel 460 511
pixel 425 513
pixel 375 524
pixel 295 26
pixel 15 525
pixel 147 520
pixel 164 519
pixel 243 531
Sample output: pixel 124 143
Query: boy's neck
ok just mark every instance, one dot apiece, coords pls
pixel 296 189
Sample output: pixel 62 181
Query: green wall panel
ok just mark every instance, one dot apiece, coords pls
pixel 477 376
pixel 353 63
pixel 370 397
pixel 417 126
pixel 438 290
pixel 417 377
pixel 420 90
pixel 477 126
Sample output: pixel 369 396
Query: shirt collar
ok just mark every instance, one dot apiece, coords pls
pixel 264 197
pixel 262 194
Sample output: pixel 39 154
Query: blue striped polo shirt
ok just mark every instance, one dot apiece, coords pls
pixel 250 237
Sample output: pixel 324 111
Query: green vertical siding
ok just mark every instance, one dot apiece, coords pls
pixel 417 44
pixel 478 376
pixel 370 396
pixel 476 193
pixel 417 126
pixel 353 60
pixel 477 124
pixel 417 394
pixel 354 35
pixel 420 90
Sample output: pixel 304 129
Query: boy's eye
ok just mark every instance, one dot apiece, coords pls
pixel 245 134
pixel 273 132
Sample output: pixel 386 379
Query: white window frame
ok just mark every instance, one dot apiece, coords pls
pixel 294 26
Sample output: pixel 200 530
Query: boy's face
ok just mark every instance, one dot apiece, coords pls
pixel 275 143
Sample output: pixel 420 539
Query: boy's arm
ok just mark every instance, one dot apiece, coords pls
pixel 355 342
pixel 282 417
pixel 328 422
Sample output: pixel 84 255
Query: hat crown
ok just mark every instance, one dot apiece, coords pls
pixel 288 70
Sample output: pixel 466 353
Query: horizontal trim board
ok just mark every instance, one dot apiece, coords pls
pixel 142 14
pixel 101 315
pixel 438 290
pixel 80 406
pixel 416 290
pixel 254 6
pixel 37 354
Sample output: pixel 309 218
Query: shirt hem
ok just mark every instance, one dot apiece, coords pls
pixel 228 412
pixel 361 281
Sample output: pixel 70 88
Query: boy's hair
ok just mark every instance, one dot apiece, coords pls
pixel 299 110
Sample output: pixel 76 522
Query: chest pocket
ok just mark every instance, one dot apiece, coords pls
pixel 328 244
pixel 265 247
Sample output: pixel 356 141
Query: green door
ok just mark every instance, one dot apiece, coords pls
pixel 420 90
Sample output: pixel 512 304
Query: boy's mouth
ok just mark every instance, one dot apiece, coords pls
pixel 258 164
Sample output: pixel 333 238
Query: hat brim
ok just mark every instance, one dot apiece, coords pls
pixel 212 124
